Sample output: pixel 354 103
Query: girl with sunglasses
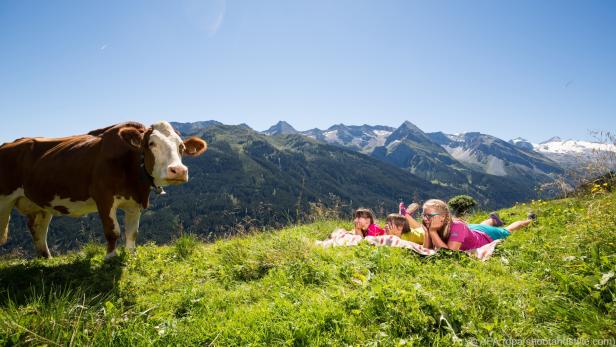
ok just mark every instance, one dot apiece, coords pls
pixel 443 231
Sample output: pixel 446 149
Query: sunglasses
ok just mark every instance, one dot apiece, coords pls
pixel 429 216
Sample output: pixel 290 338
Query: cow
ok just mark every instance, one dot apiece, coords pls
pixel 102 171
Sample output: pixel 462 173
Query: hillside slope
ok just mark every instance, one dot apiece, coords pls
pixel 553 281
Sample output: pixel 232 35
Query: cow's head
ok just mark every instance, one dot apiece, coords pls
pixel 162 150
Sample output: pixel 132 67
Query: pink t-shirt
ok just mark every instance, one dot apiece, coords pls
pixel 374 230
pixel 470 239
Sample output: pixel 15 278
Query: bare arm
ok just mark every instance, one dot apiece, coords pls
pixel 427 240
pixel 433 240
pixel 436 239
pixel 454 245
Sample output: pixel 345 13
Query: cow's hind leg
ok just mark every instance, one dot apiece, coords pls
pixel 6 206
pixel 39 224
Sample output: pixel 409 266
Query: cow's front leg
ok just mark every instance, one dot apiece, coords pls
pixel 108 214
pixel 131 221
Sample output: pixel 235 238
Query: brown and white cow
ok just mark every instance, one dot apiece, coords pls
pixel 105 170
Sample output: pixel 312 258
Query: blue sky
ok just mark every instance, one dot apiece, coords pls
pixel 507 68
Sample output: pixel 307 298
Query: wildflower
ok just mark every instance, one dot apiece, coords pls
pixel 604 279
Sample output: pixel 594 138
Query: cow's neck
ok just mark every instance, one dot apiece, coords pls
pixel 146 177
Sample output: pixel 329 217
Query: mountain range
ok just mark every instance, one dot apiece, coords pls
pixel 473 149
pixel 493 170
pixel 575 155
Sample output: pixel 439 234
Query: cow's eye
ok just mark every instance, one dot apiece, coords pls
pixel 152 144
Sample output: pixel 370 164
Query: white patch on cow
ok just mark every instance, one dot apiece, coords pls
pixel 14 195
pixel 27 206
pixel 75 208
pixel 7 202
pixel 124 204
pixel 166 149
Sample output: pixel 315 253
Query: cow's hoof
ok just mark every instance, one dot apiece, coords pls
pixel 110 255
pixel 131 247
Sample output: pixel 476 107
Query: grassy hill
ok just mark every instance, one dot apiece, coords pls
pixel 554 280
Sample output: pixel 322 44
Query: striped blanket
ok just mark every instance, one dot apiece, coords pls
pixel 341 237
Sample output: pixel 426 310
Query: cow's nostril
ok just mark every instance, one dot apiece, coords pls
pixel 179 172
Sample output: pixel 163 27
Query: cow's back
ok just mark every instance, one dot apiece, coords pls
pixel 49 167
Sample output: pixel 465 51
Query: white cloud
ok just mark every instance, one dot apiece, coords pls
pixel 207 16
pixel 216 23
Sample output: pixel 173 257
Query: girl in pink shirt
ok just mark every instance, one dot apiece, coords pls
pixel 468 239
pixel 446 232
pixel 364 223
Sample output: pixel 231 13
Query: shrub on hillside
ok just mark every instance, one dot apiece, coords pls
pixel 185 245
pixel 461 204
pixel 603 183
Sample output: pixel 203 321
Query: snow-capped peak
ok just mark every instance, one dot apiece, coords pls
pixel 457 137
pixel 382 133
pixel 573 147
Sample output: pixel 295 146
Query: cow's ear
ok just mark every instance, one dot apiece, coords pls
pixel 133 137
pixel 194 146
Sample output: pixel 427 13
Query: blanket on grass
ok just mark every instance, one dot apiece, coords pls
pixel 341 237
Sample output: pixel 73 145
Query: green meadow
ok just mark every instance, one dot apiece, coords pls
pixel 551 283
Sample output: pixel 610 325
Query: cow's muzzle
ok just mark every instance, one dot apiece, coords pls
pixel 177 174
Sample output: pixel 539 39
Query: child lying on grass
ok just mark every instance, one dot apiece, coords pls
pixel 416 230
pixel 364 223
pixel 404 227
pixel 444 231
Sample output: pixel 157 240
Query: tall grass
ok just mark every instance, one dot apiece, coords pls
pixel 277 288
